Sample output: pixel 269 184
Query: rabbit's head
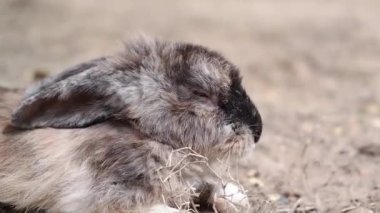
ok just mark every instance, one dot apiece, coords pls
pixel 179 94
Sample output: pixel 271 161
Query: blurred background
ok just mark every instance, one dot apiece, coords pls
pixel 311 66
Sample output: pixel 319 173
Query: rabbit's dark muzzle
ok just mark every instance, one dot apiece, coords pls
pixel 240 110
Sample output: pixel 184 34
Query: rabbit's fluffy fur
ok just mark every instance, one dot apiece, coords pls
pixel 93 138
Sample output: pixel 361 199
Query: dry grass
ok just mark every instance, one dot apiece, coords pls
pixel 184 162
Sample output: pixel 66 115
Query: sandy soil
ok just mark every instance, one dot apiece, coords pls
pixel 312 68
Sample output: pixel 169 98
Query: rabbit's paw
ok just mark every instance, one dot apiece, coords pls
pixel 230 198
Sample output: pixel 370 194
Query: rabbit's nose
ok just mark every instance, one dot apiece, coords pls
pixel 257 126
pixel 240 109
pixel 257 136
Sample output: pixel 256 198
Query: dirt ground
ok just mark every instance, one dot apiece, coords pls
pixel 312 68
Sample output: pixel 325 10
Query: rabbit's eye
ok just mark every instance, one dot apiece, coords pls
pixel 200 94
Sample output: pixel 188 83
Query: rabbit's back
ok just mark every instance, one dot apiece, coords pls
pixel 37 169
pixel 42 167
pixel 103 168
pixel 9 99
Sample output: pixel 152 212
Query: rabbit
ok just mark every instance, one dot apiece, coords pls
pixel 98 136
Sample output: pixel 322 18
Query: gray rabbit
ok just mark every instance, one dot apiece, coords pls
pixel 97 137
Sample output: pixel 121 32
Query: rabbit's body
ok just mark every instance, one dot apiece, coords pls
pixel 112 134
pixel 103 168
pixel 107 167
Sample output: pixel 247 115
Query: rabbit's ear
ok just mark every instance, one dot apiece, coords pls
pixel 65 74
pixel 78 97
